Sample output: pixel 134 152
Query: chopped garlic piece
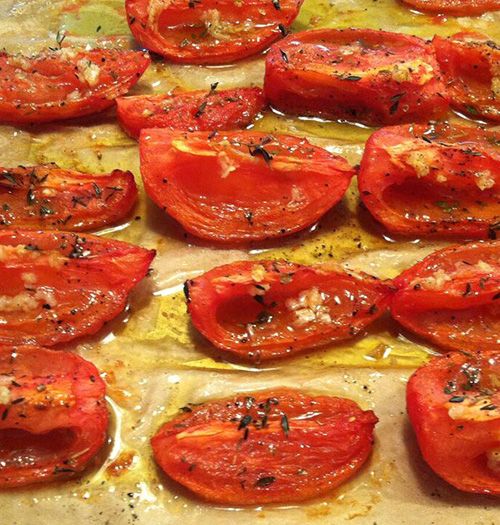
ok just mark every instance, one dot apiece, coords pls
pixel 89 71
pixel 484 180
pixel 4 395
pixel 473 409
pixel 258 273
pixel 309 307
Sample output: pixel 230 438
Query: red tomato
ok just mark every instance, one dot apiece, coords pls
pixel 272 446
pixel 57 286
pixel 455 7
pixel 454 407
pixel 470 63
pixel 66 83
pixel 49 197
pixel 374 77
pixel 451 297
pixel 436 180
pixel 253 186
pixel 265 309
pixel 53 415
pixel 209 31
pixel 191 111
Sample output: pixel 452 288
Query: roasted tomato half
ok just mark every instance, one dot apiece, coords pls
pixel 57 286
pixel 265 309
pixel 437 180
pixel 470 63
pixel 209 31
pixel 50 198
pixel 191 111
pixel 67 83
pixel 252 186
pixel 452 297
pixel 454 408
pixel 272 446
pixel 455 7
pixel 374 77
pixel 53 415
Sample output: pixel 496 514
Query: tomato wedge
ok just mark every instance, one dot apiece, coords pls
pixel 57 286
pixel 209 31
pixel 253 186
pixel 66 83
pixel 191 111
pixel 362 75
pixel 451 297
pixel 53 415
pixel 271 446
pixel 436 180
pixel 470 63
pixel 49 197
pixel 260 310
pixel 454 408
pixel 455 7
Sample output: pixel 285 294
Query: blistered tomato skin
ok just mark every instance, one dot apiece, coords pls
pixel 454 407
pixel 211 31
pixel 455 7
pixel 272 446
pixel 436 180
pixel 451 297
pixel 361 75
pixel 53 415
pixel 259 310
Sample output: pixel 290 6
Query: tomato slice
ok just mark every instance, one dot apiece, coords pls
pixel 260 310
pixel 470 65
pixel 209 31
pixel 49 197
pixel 253 186
pixel 436 180
pixel 57 286
pixel 53 415
pixel 191 111
pixel 362 75
pixel 66 83
pixel 451 297
pixel 455 7
pixel 271 446
pixel 454 408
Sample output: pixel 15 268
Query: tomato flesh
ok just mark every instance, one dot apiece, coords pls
pixel 54 416
pixel 373 77
pixel 65 83
pixel 267 309
pixel 49 197
pixel 272 446
pixel 57 286
pixel 455 7
pixel 209 31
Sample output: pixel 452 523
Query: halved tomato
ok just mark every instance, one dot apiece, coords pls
pixel 271 446
pixel 362 75
pixel 470 63
pixel 53 415
pixel 435 180
pixel 452 297
pixel 252 186
pixel 455 7
pixel 66 83
pixel 191 111
pixel 260 310
pixel 57 286
pixel 209 31
pixel 454 408
pixel 49 197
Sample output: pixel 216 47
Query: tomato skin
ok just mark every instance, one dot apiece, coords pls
pixel 455 7
pixel 271 446
pixel 469 62
pixel 326 73
pixel 192 29
pixel 57 85
pixel 419 180
pixel 191 111
pixel 56 409
pixel 254 186
pixel 456 447
pixel 57 286
pixel 259 310
pixel 451 296
pixel 49 197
